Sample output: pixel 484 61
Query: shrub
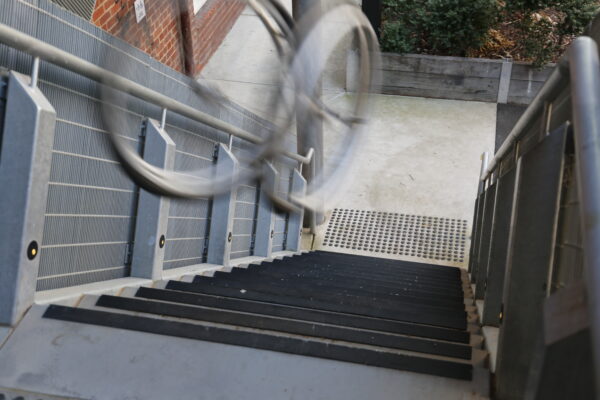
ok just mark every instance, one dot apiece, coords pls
pixel 546 27
pixel 445 27
pixel 526 30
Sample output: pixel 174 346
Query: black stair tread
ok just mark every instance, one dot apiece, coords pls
pixel 348 267
pixel 350 281
pixel 292 312
pixel 413 283
pixel 383 264
pixel 305 346
pixel 298 327
pixel 316 287
pixel 337 296
pixel 455 320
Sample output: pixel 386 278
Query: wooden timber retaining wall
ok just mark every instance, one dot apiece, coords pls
pixel 457 78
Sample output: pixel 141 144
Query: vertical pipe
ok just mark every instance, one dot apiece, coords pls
pixel 585 97
pixel 35 71
pixel 485 157
pixel 163 119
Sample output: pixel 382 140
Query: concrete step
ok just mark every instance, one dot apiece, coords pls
pixel 282 305
pixel 185 322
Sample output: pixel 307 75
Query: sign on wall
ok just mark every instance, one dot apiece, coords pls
pixel 140 10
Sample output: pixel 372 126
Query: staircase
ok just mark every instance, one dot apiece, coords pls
pixel 371 311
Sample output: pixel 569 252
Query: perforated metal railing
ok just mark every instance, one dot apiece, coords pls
pixel 281 219
pixel 90 213
pixel 91 207
pixel 536 248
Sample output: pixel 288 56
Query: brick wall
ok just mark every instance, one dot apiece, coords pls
pixel 208 28
pixel 171 32
pixel 158 34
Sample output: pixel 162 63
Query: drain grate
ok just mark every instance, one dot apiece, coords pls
pixel 433 238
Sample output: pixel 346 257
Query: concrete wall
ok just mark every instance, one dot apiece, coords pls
pixel 458 78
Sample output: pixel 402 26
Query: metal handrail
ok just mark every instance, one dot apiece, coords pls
pixel 585 97
pixel 580 68
pixel 555 83
pixel 61 58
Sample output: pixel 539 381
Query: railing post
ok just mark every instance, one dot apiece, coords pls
pixel 477 216
pixel 265 219
pixel 25 159
pixel 585 83
pixel 294 232
pixel 221 220
pixel 153 211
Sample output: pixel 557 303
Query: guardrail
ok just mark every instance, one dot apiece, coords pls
pixel 549 164
pixel 54 55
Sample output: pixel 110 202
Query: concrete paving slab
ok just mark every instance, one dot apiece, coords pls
pixel 421 157
pixel 88 362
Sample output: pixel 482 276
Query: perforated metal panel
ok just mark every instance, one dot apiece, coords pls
pixel 189 220
pixel 432 238
pixel 83 8
pixel 568 257
pixel 246 201
pixel 281 219
pixel 91 208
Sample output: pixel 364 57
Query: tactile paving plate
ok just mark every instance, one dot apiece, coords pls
pixel 414 236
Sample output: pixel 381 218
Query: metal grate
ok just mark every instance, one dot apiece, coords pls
pixel 281 219
pixel 83 8
pixel 91 207
pixel 434 238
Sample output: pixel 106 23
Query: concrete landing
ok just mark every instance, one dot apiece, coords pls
pixel 421 156
pixel 92 362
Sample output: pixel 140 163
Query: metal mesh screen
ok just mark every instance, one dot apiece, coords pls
pixel 189 220
pixel 246 201
pixel 83 8
pixel 91 207
pixel 90 213
pixel 281 219
pixel 568 257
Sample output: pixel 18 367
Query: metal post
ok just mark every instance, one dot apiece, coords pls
pixel 309 130
pixel 163 119
pixel 265 220
pixel 294 228
pixel 25 159
pixel 485 157
pixel 477 217
pixel 35 71
pixel 585 83
pixel 153 211
pixel 221 220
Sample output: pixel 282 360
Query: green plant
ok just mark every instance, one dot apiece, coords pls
pixel 547 26
pixel 526 30
pixel 448 27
